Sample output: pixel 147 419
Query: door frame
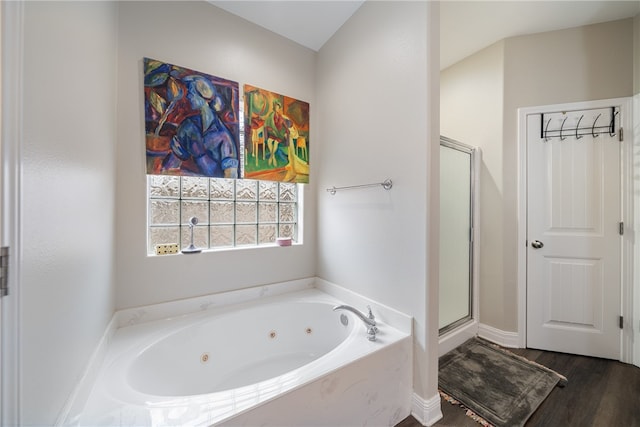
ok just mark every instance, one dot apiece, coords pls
pixel 626 181
pixel 12 93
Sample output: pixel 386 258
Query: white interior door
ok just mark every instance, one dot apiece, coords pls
pixel 574 245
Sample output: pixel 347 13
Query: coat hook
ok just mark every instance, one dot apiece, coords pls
pixel 578 126
pixel 593 128
pixel 612 126
pixel 561 126
pixel 546 129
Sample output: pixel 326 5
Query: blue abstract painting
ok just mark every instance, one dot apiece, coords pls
pixel 191 122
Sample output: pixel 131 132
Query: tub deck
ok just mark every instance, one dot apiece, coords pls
pixel 357 381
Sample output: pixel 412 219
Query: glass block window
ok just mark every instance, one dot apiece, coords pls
pixel 231 212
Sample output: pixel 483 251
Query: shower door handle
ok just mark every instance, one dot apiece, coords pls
pixel 537 244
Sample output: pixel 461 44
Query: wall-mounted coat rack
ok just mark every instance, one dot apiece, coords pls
pixel 386 184
pixel 577 124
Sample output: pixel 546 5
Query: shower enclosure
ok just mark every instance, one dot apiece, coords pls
pixel 457 234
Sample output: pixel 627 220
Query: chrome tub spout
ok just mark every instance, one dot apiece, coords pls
pixel 369 321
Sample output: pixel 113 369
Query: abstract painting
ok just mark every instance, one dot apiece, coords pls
pixel 276 136
pixel 191 122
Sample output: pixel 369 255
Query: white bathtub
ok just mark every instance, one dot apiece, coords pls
pixel 284 360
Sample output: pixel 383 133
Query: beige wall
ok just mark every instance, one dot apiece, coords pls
pixel 199 36
pixel 68 196
pixel 578 64
pixel 471 104
pixel 374 95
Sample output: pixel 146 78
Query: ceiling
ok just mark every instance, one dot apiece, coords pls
pixel 308 22
pixel 465 26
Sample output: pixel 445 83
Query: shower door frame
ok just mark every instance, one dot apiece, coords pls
pixel 459 331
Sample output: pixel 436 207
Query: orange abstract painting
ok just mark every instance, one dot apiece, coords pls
pixel 276 136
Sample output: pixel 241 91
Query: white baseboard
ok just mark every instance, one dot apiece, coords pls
pixel 453 339
pixel 456 337
pixel 427 412
pixel 498 336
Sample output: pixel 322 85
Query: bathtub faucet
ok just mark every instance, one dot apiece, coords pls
pixel 369 321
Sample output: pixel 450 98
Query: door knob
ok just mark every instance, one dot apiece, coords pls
pixel 537 244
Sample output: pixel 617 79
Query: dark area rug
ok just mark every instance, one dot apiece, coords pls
pixel 496 386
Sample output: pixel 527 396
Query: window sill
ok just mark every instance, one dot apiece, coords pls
pixel 227 249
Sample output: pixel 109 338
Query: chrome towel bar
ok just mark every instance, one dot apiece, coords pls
pixel 386 184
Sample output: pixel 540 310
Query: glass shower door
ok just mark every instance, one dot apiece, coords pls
pixel 456 220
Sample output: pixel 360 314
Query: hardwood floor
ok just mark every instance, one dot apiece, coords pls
pixel 600 393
